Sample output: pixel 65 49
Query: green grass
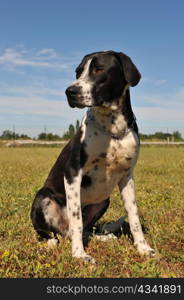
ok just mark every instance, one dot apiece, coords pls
pixel 159 184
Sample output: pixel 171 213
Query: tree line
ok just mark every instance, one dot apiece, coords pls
pixel 175 136
pixel 72 129
pixel 12 135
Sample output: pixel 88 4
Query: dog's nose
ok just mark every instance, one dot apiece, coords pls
pixel 72 91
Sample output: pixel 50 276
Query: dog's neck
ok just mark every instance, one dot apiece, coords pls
pixel 115 120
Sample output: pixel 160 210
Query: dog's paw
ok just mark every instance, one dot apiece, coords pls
pixel 146 250
pixel 84 256
pixel 89 259
pixel 52 243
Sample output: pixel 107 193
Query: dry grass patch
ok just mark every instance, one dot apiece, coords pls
pixel 159 185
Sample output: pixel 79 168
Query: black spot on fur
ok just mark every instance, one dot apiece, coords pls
pixel 76 194
pixel 77 157
pixel 135 229
pixel 80 229
pixel 96 167
pixel 95 133
pixel 128 158
pixel 112 120
pixel 75 214
pixel 86 181
pixel 83 155
pixel 142 242
pixel 95 161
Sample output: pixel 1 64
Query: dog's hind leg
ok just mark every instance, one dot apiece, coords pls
pixel 48 217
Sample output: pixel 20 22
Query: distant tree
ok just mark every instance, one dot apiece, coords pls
pixel 24 136
pixel 71 130
pixel 66 136
pixel 48 136
pixel 53 137
pixel 177 135
pixel 42 136
pixel 7 135
pixel 77 125
pixel 162 136
pixel 143 136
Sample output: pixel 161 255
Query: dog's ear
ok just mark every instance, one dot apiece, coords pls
pixel 132 75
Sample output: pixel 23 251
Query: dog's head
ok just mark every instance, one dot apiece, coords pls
pixel 101 79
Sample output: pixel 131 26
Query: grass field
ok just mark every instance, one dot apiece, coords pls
pixel 159 180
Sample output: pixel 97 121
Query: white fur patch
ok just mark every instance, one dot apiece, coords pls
pixel 127 190
pixel 106 238
pixel 52 243
pixel 85 84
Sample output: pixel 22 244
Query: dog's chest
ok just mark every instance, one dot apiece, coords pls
pixel 109 160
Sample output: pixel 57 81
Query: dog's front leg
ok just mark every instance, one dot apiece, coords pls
pixel 127 191
pixel 75 217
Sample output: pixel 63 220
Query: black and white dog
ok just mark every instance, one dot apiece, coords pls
pixel 101 155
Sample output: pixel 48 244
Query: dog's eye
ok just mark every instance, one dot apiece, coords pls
pixel 99 71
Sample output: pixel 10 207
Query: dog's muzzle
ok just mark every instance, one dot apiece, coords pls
pixel 73 96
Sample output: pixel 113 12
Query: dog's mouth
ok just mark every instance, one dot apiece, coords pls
pixel 74 104
pixel 75 98
pixel 77 102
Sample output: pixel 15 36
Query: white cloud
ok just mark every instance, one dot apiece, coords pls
pixel 165 100
pixel 161 111
pixel 34 90
pixel 43 58
pixel 159 114
pixel 37 106
pixel 156 82
pixel 47 53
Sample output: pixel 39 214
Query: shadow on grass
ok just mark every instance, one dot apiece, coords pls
pixel 117 228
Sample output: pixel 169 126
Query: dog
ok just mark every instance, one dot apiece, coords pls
pixel 101 155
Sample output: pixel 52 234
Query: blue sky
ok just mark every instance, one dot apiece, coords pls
pixel 43 41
